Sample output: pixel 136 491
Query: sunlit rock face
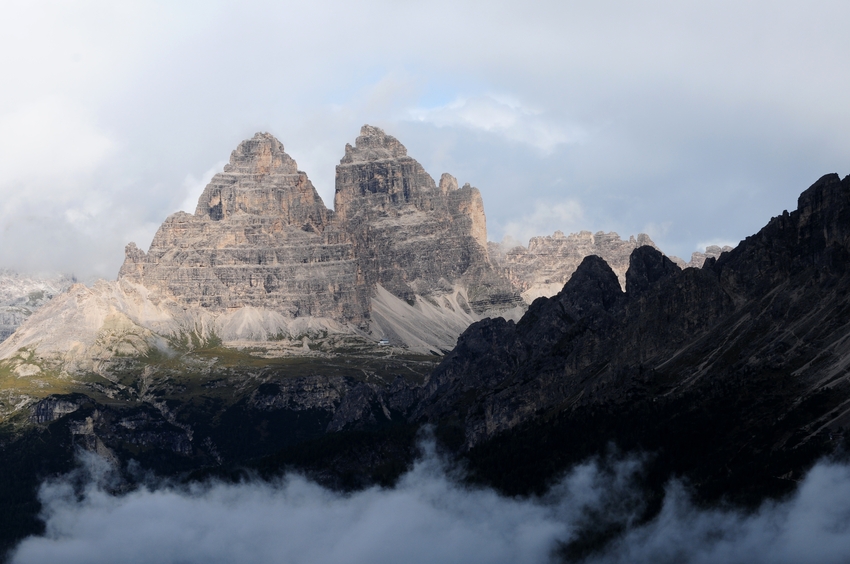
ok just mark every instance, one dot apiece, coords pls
pixel 412 236
pixel 260 237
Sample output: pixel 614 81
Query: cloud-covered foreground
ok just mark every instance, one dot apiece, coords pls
pixel 427 517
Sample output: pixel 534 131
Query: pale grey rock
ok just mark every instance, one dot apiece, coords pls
pixel 52 408
pixel 21 295
pixel 711 251
pixel 85 327
pixel 260 237
pixel 411 236
pixel 547 264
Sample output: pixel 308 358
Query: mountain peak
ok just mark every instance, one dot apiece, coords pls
pixel 260 155
pixel 373 144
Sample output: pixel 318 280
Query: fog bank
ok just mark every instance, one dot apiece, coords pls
pixel 428 517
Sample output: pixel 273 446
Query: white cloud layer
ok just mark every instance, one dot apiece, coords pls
pixel 709 117
pixel 812 526
pixel 566 216
pixel 504 117
pixel 46 140
pixel 427 517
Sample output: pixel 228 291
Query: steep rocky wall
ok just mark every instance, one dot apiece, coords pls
pixel 411 235
pixel 260 237
pixel 769 315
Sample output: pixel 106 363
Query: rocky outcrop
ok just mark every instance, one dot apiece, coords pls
pixel 260 237
pixel 711 251
pixel 413 237
pixel 547 264
pixel 647 267
pixel 728 373
pixel 52 408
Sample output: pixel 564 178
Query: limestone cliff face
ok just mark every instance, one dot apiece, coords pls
pixel 260 237
pixel 548 263
pixel 261 179
pixel 412 236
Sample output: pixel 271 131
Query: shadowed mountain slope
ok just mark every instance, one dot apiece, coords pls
pixel 738 372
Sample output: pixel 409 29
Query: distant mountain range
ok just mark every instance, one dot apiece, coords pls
pixel 249 335
pixel 262 259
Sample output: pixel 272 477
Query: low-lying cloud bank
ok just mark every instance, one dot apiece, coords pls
pixel 427 517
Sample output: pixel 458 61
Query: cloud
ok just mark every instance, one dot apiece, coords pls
pixel 45 141
pixel 547 217
pixel 503 116
pixel 427 517
pixel 812 526
pixel 641 109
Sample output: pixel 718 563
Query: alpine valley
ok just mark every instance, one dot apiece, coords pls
pixel 266 333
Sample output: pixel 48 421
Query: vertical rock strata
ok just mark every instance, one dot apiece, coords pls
pixel 411 235
pixel 262 237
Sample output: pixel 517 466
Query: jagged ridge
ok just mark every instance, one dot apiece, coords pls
pixel 760 335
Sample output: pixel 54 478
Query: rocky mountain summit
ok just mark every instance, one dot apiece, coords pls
pixel 735 373
pixel 248 336
pixel 263 259
pixel 413 237
pixel 698 258
pixel 261 237
pixel 542 268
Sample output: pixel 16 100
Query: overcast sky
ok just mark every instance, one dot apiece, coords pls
pixel 693 122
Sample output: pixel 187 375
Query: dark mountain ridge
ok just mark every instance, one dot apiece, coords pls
pixel 735 374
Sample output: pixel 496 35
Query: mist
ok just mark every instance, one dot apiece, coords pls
pixel 429 516
pixel 693 122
